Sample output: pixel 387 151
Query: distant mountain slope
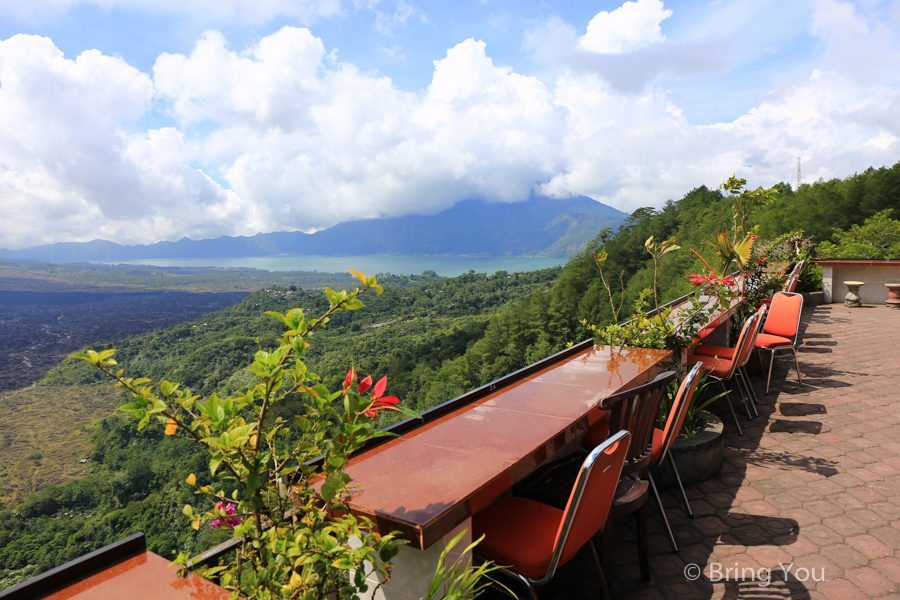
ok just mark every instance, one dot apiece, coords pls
pixel 539 226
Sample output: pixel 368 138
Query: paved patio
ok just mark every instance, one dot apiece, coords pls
pixel 813 486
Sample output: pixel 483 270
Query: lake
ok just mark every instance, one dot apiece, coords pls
pixel 447 266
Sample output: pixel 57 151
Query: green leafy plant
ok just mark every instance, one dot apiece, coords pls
pixel 462 579
pixel 877 238
pixel 290 486
pixel 662 328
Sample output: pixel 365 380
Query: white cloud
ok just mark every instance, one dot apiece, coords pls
pixel 626 29
pixel 622 47
pixel 857 44
pixel 279 137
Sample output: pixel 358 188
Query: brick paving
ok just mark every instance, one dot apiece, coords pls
pixel 813 485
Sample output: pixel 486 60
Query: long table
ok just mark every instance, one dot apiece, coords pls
pixel 434 477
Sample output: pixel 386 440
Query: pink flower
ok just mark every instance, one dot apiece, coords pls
pixel 229 511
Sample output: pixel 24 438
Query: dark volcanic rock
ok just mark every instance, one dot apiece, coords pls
pixel 39 329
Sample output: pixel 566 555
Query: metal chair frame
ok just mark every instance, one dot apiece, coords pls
pixel 792 347
pixel 743 346
pixel 567 521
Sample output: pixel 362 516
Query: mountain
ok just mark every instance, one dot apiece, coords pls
pixel 538 226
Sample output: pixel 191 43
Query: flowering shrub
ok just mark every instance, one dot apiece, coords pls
pixel 289 507
pixel 227 512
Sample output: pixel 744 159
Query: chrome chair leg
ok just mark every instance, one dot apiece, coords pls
pixel 747 379
pixel 687 505
pixel 771 362
pixel 662 511
pixel 740 390
pixel 731 407
pixel 797 366
pixel 742 377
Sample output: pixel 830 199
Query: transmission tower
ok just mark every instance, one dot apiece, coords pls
pixel 798 172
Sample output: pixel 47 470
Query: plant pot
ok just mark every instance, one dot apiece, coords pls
pixel 698 458
pixel 813 298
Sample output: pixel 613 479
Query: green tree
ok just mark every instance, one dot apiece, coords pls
pixel 878 237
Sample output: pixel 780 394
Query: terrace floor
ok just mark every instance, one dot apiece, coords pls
pixel 814 483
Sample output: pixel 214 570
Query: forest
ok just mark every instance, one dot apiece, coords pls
pixel 434 339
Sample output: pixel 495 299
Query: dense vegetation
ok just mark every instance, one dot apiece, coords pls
pixel 434 339
pixel 407 333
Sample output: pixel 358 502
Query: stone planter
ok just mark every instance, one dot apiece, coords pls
pixel 813 298
pixel 698 458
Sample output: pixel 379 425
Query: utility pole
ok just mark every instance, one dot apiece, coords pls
pixel 798 172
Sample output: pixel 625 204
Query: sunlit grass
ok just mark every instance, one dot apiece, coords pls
pixel 44 432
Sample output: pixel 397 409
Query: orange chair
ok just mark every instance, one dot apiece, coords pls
pixel 722 369
pixel 728 353
pixel 534 539
pixel 662 442
pixel 781 331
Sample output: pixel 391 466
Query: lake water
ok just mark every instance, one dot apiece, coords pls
pixel 448 266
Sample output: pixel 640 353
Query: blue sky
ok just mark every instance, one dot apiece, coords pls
pixel 142 120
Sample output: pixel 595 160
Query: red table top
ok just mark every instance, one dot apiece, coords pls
pixel 432 478
pixel 145 576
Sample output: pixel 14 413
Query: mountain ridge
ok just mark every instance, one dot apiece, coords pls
pixel 536 227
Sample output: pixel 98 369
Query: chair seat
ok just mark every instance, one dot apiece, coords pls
pixel 718 367
pixel 631 494
pixel 518 533
pixel 720 351
pixel 766 340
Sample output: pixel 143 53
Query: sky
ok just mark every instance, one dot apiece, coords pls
pixel 145 120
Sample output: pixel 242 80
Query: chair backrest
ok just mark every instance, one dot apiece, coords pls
pixel 635 410
pixel 784 315
pixel 742 347
pixel 679 409
pixel 751 341
pixel 794 277
pixel 590 500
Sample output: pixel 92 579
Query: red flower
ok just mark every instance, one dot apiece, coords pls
pixel 698 279
pixel 351 377
pixel 379 387
pixel 388 403
pixel 365 384
pixel 711 279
